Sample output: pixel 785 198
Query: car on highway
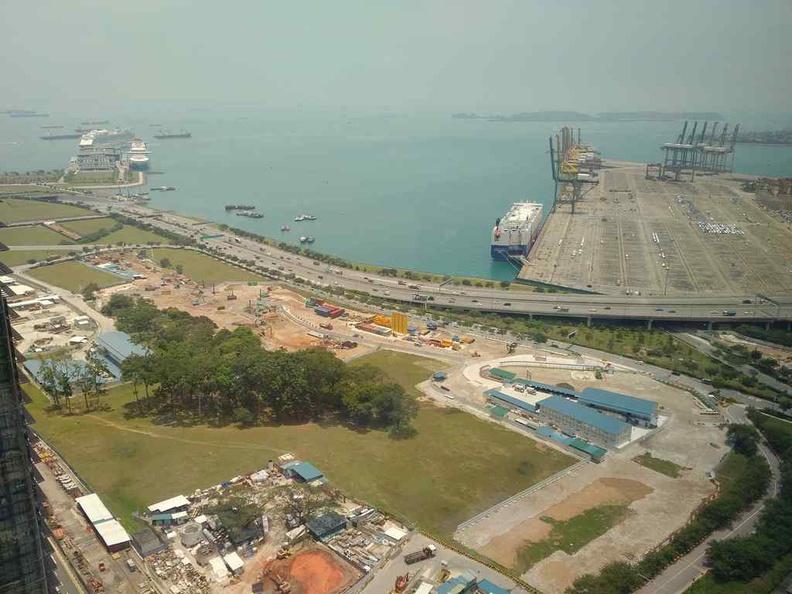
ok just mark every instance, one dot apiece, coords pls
pixel 474 300
pixel 592 311
pixel 452 300
pixel 507 304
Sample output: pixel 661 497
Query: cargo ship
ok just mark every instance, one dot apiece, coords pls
pixel 250 215
pixel 60 136
pixel 165 134
pixel 239 207
pixel 515 232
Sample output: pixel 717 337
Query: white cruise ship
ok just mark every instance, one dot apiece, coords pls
pixel 515 232
pixel 138 155
pixel 98 137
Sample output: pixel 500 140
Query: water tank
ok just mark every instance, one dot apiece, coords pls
pixel 192 534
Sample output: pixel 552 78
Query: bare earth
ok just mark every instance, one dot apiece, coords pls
pixel 659 504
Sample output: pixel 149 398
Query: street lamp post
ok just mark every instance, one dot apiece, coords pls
pixel 665 285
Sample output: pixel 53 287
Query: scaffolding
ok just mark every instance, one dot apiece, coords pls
pixel 699 152
pixel 574 166
pixel 22 569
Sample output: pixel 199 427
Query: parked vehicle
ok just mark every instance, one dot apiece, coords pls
pixel 425 553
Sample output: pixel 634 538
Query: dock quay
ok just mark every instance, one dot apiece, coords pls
pixel 638 233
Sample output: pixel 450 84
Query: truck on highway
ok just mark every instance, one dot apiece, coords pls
pixel 729 312
pixel 419 297
pixel 425 553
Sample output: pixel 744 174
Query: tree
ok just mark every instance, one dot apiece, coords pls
pixel 89 290
pixel 743 439
pixel 48 378
pixel 165 263
pixel 179 269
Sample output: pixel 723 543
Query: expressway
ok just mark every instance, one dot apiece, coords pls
pixel 745 308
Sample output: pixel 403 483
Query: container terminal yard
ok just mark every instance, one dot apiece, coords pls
pixel 639 232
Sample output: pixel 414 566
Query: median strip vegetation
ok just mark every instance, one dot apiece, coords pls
pixel 571 535
pixel 665 467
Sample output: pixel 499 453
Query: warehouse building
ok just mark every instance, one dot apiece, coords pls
pixel 326 525
pixel 583 421
pixel 633 410
pixel 303 472
pixel 109 530
pixel 498 398
pixel 114 348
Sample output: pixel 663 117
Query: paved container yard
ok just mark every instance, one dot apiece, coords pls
pixel 630 233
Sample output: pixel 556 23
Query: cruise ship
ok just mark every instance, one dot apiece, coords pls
pixel 515 232
pixel 99 137
pixel 138 155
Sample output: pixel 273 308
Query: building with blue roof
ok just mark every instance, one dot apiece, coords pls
pixel 461 584
pixel 548 388
pixel 583 421
pixel 634 410
pixel 499 398
pixel 487 587
pixel 114 348
pixel 304 472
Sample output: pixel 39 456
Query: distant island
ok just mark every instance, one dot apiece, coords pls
pixel 783 137
pixel 576 116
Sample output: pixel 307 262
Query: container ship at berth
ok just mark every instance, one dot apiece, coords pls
pixel 515 232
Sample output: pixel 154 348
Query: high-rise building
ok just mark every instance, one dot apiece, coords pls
pixel 22 567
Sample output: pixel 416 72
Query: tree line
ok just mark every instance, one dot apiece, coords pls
pixel 224 374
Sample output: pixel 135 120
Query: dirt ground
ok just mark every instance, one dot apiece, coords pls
pixel 780 354
pixel 314 570
pixel 233 304
pixel 503 548
pixel 660 504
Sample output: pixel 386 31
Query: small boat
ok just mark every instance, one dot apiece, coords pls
pixel 303 239
pixel 285 228
pixel 164 188
pixel 309 239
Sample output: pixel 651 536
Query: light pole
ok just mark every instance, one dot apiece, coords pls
pixel 665 285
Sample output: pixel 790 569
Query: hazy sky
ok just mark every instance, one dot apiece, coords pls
pixel 487 55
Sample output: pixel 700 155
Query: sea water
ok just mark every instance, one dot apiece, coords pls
pixel 412 191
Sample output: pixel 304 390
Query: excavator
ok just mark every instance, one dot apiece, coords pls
pixel 282 586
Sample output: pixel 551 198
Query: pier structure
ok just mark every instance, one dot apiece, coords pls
pixel 699 152
pixel 574 166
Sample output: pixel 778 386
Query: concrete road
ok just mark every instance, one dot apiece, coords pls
pixel 675 308
pixel 385 578
pixel 678 577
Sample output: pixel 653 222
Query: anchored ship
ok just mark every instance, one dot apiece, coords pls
pixel 98 137
pixel 515 232
pixel 168 134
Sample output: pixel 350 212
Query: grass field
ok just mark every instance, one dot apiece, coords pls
pixel 74 276
pixel 457 465
pixel 14 210
pixel 32 236
pixel 92 178
pixel 573 534
pixel 200 267
pixel 131 234
pixel 665 467
pixel 17 257
pixel 401 368
pixel 88 226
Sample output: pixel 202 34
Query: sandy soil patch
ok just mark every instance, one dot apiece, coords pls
pixel 313 571
pixel 503 548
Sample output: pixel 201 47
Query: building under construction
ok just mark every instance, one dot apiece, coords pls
pixel 574 166
pixel 698 151
pixel 22 568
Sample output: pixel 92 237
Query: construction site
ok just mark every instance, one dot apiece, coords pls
pixel 629 507
pixel 683 225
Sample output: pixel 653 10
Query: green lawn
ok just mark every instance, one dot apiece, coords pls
pixel 92 178
pixel 14 210
pixel 573 534
pixel 88 226
pixel 74 276
pixel 404 369
pixel 457 465
pixel 665 467
pixel 17 257
pixel 32 236
pixel 200 267
pixel 130 234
